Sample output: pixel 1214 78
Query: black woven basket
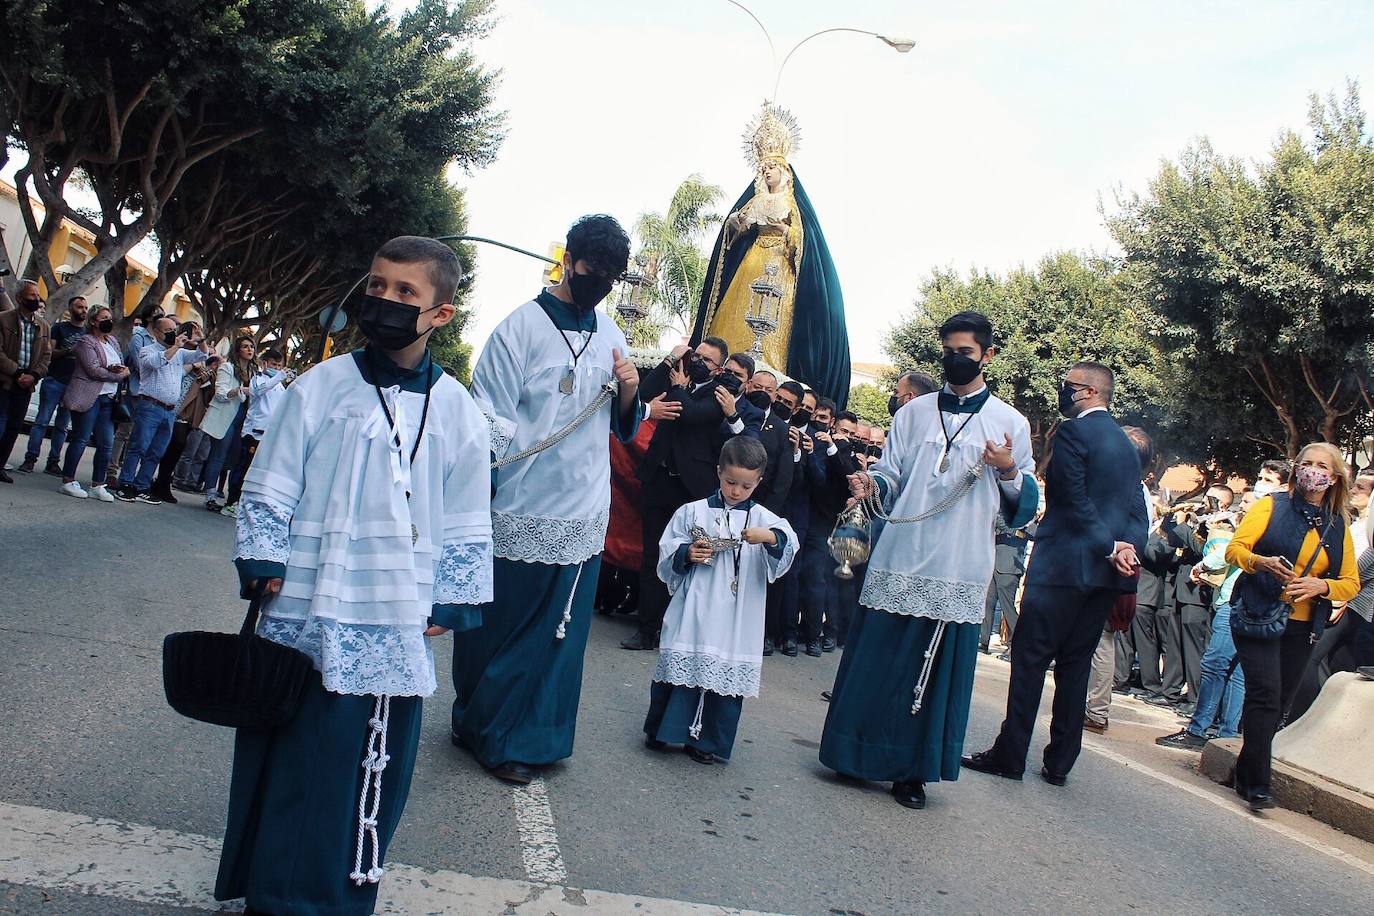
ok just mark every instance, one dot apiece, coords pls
pixel 239 680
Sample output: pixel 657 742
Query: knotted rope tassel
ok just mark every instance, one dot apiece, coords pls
pixel 562 630
pixel 924 677
pixel 695 729
pixel 371 800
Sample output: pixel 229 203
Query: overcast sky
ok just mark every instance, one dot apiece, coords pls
pixel 990 144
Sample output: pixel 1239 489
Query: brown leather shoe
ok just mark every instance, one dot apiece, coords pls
pixel 1090 726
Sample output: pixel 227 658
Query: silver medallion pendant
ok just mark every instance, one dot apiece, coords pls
pixel 566 383
pixel 944 463
pixel 734 587
pixel 414 535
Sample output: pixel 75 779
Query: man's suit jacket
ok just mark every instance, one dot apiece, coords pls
pixel 776 485
pixel 689 445
pixel 1092 500
pixel 9 348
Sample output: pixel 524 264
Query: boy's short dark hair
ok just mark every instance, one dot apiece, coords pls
pixel 441 264
pixel 744 452
pixel 745 361
pixel 271 354
pixel 846 415
pixel 1279 467
pixel 975 323
pixel 795 387
pixel 599 240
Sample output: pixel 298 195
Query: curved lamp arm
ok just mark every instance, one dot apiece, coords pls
pixel 900 45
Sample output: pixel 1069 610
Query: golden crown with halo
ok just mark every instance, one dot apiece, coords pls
pixel 772 135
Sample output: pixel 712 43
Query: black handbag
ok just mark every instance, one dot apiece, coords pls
pixel 1270 621
pixel 119 407
pixel 239 680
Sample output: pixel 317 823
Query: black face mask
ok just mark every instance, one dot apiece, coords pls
pixel 698 371
pixel 106 325
pixel 390 325
pixel 892 405
pixel 1068 401
pixel 33 305
pixel 875 451
pixel 782 411
pixel 169 338
pixel 588 289
pixel 961 369
pixel 759 399
pixel 801 417
pixel 731 383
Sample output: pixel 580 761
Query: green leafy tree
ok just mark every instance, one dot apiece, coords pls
pixel 1263 278
pixel 1069 308
pixel 672 246
pixel 869 404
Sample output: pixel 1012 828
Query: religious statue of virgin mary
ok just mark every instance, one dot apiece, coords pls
pixel 772 233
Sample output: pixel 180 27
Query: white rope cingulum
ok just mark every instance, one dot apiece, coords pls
pixel 695 729
pixel 562 630
pixel 927 667
pixel 371 800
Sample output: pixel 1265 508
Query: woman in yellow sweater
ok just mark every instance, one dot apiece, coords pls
pixel 1292 547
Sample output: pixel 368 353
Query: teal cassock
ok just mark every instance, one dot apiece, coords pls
pixel 870 730
pixel 518 681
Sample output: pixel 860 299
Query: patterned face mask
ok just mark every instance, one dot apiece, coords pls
pixel 1313 480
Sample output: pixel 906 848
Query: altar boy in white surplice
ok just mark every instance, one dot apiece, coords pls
pixel 717 557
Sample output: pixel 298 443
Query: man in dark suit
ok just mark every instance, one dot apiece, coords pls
pixel 680 464
pixel 808 474
pixel 1085 555
pixel 778 474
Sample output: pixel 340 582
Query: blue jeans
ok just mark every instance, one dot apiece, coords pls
pixel 97 423
pixel 1222 684
pixel 152 431
pixel 49 403
pixel 224 454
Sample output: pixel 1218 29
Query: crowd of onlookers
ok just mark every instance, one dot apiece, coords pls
pixel 162 411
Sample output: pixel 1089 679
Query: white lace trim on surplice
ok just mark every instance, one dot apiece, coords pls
pixel 359 659
pixel 263 531
pixel 561 541
pixel 690 669
pixel 923 596
pixel 464 574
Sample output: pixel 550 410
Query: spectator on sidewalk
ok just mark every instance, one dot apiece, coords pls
pixel 51 413
pixel 223 422
pixel 200 388
pixel 265 391
pixel 160 368
pixel 142 337
pixel 90 398
pixel 25 350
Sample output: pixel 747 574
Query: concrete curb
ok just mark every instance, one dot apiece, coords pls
pixel 1298 790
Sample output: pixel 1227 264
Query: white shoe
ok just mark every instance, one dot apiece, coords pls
pixel 72 488
pixel 102 494
pixel 231 510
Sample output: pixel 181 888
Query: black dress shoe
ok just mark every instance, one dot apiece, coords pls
pixel 697 754
pixel 1054 779
pixel 639 641
pixel 828 645
pixel 653 743
pixel 910 794
pixel 789 648
pixel 512 772
pixel 813 649
pixel 5 477
pixel 826 695
pixel 984 762
pixel 1005 656
pixel 1122 691
pixel 1261 800
pixel 1161 701
pixel 1182 740
pixel 767 647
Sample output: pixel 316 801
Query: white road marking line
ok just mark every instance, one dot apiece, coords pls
pixel 538 835
pixel 58 850
pixel 1233 808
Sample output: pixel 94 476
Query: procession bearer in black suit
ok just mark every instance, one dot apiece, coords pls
pixel 1085 553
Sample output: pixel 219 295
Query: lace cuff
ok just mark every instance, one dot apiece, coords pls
pixel 263 531
pixel 463 574
pixel 358 659
pixel 923 596
pixel 502 432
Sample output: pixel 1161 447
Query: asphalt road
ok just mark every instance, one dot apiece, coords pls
pixel 87 591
